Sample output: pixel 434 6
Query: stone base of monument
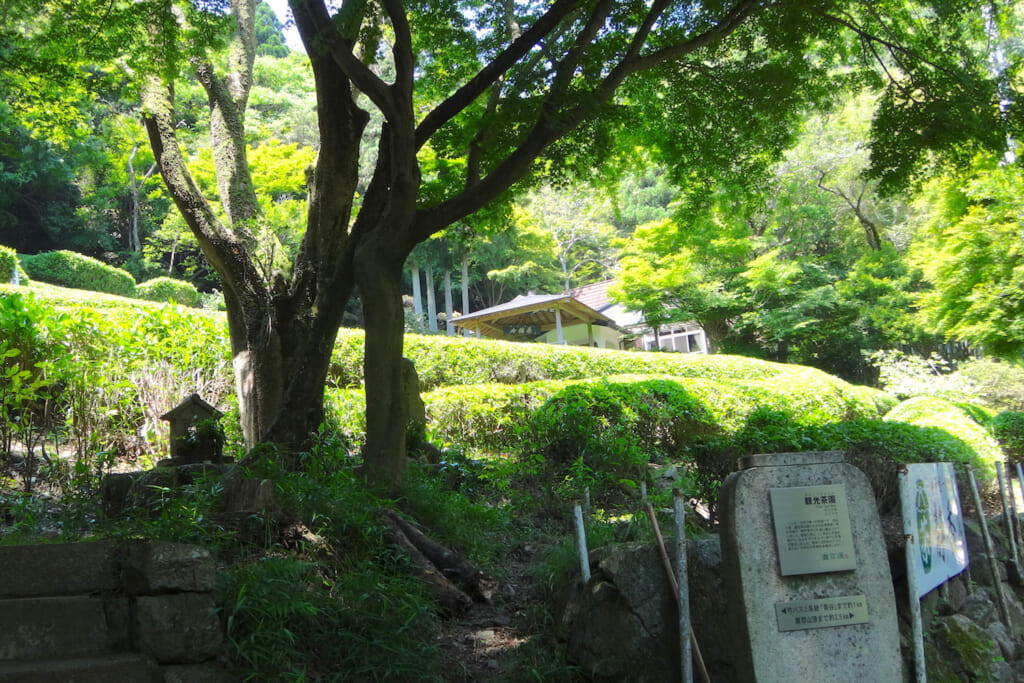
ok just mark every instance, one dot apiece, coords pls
pixel 805 567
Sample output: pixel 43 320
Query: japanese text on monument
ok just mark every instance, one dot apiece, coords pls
pixel 812 528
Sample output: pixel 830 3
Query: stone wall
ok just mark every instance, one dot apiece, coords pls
pixel 621 625
pixel 106 611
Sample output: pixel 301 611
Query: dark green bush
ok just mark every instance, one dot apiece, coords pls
pixel 489 416
pixel 443 361
pixel 9 265
pixel 617 427
pixel 69 269
pixel 169 290
pixel 608 429
pixel 1008 429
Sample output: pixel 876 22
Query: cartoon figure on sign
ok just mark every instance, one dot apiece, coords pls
pixel 924 527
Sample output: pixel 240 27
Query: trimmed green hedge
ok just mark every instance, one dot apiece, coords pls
pixel 169 290
pixel 443 361
pixel 613 426
pixel 1008 430
pixel 927 411
pixel 485 415
pixel 9 265
pixel 69 269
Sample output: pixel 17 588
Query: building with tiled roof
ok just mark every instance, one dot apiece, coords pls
pixel 583 316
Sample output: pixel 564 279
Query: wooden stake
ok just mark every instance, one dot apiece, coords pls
pixel 993 563
pixel 667 564
pixel 581 542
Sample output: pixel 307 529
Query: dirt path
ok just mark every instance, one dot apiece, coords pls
pixel 479 645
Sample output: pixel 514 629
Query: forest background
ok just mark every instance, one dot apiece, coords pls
pixel 808 261
pixel 778 231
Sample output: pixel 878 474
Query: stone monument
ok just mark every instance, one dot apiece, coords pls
pixel 806 570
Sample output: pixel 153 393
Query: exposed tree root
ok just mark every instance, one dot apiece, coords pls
pixel 455 582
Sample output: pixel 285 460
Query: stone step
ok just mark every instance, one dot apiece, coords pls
pixel 58 569
pixel 120 668
pixel 69 626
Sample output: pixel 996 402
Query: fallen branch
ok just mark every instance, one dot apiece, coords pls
pixel 456 583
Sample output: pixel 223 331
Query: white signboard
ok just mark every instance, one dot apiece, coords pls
pixel 934 522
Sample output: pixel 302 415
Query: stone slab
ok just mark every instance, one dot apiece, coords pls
pixel 198 673
pixel 58 569
pixel 153 567
pixel 852 653
pixel 69 626
pixel 178 629
pixel 122 668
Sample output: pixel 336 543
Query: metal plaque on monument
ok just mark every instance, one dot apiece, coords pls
pixel 806 572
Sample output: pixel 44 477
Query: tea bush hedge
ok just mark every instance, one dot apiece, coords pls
pixel 169 290
pixel 9 265
pixel 931 412
pixel 443 361
pixel 1008 429
pixel 612 426
pixel 114 369
pixel 69 269
pixel 568 408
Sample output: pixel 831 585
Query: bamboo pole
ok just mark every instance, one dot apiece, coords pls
pixel 912 545
pixel 1007 514
pixel 581 542
pixel 682 585
pixel 997 584
pixel 698 660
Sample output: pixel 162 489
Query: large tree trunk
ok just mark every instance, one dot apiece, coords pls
pixel 378 276
pixel 715 330
pixel 282 332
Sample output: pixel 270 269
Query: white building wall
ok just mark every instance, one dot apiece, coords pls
pixel 685 338
pixel 576 335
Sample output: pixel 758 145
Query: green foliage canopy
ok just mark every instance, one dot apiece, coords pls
pixel 970 252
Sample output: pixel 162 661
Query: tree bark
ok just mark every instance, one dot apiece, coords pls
pixel 281 332
pixel 378 274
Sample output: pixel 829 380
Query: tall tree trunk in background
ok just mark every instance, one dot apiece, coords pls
pixel 431 301
pixel 449 307
pixel 417 291
pixel 465 284
pixel 715 330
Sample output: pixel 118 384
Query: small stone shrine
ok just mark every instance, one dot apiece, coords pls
pixel 804 558
pixel 195 436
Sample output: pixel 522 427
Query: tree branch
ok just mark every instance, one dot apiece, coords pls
pixel 545 131
pixel 224 251
pixel 405 66
pixel 475 153
pixel 872 38
pixel 320 36
pixel 487 76
pixel 729 23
